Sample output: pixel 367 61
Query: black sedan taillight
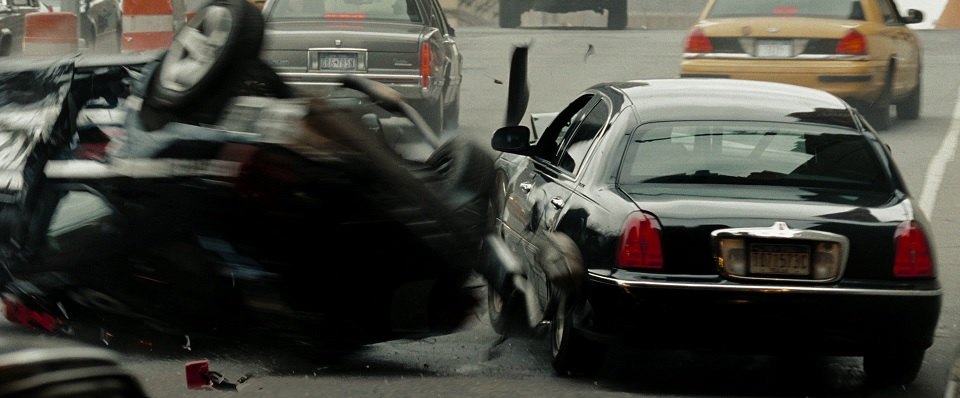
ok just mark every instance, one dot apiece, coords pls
pixel 913 258
pixel 640 246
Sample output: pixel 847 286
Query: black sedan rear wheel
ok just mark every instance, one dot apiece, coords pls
pixel 573 354
pixel 507 312
pixel 893 367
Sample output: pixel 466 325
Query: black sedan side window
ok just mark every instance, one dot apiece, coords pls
pixel 549 145
pixel 575 150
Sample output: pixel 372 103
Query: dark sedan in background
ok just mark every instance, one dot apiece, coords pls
pixel 746 216
pixel 406 44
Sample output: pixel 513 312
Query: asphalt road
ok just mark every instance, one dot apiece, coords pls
pixel 466 364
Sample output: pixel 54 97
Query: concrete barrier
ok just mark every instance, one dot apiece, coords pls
pixel 50 33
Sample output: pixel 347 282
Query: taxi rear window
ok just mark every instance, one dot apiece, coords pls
pixel 832 9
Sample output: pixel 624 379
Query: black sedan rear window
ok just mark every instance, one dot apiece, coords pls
pixel 833 9
pixel 381 10
pixel 755 154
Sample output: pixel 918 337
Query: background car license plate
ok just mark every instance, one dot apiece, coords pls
pixel 767 259
pixel 339 61
pixel 774 48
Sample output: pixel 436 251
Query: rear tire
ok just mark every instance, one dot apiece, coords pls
pixel 573 354
pixel 878 116
pixel 892 367
pixel 909 108
pixel 451 115
pixel 510 12
pixel 507 314
pixel 617 15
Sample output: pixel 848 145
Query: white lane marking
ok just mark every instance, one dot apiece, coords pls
pixel 938 165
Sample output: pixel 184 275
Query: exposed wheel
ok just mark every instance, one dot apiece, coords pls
pixel 573 354
pixel 909 108
pixel 220 34
pixel 510 12
pixel 892 367
pixel 507 314
pixel 617 15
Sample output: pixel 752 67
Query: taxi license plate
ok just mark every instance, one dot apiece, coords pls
pixel 774 48
pixel 790 260
pixel 337 61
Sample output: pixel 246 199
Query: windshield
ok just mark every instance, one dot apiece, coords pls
pixel 381 10
pixel 837 9
pixel 754 154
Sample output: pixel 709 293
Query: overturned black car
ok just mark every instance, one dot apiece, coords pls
pixel 194 195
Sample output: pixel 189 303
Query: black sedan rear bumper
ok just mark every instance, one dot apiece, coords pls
pixel 711 313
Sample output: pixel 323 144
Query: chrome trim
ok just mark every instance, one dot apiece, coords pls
pixel 805 57
pixel 780 231
pixel 771 289
pixel 332 75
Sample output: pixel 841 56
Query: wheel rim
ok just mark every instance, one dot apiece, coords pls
pixel 559 326
pixel 496 302
pixel 195 49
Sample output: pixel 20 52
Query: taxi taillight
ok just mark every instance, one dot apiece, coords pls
pixel 640 246
pixel 913 258
pixel 853 43
pixel 426 58
pixel 698 42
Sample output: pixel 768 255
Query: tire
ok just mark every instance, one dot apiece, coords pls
pixel 177 84
pixel 510 12
pixel 892 367
pixel 573 354
pixel 909 108
pixel 432 113
pixel 451 115
pixel 878 116
pixel 617 15
pixel 507 315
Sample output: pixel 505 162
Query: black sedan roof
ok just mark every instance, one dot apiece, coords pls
pixel 730 99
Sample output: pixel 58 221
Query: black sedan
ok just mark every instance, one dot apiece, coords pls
pixel 749 217
pixel 406 44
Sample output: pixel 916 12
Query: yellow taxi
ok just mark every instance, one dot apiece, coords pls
pixel 859 50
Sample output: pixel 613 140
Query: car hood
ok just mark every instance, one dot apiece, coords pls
pixel 372 36
pixel 780 27
pixel 868 220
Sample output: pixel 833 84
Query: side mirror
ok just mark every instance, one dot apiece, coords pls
pixel 512 139
pixel 913 16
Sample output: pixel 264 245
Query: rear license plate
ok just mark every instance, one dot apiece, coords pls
pixel 774 48
pixel 337 61
pixel 791 260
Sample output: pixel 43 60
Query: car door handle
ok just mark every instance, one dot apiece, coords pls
pixel 526 187
pixel 557 203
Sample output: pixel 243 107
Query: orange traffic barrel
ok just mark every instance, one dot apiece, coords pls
pixel 50 33
pixel 147 25
pixel 950 18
